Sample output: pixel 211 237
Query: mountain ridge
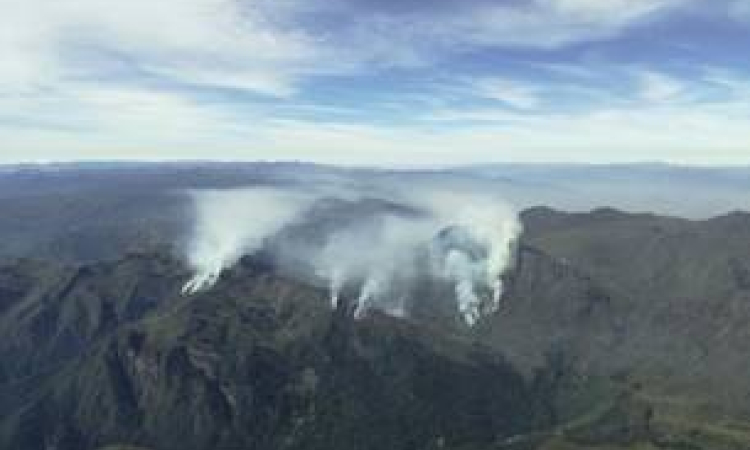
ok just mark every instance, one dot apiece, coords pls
pixel 587 350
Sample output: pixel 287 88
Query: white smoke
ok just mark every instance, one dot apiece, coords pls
pixel 336 284
pixel 459 269
pixel 371 289
pixel 380 252
pixel 487 222
pixel 233 223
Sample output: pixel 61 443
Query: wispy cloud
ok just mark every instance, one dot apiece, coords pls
pixel 212 42
pixel 512 93
pixel 658 87
pixel 363 80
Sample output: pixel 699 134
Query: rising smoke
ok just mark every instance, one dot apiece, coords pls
pixel 463 238
pixel 229 224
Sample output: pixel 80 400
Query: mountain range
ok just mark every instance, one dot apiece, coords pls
pixel 615 330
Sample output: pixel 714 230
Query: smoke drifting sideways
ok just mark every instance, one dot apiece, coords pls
pixel 384 242
pixel 232 223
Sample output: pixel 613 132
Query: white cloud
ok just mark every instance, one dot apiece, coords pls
pixel 658 121
pixel 658 87
pixel 540 23
pixel 714 134
pixel 266 46
pixel 512 93
pixel 711 134
pixel 88 122
pixel 208 41
pixel 58 98
pixel 625 135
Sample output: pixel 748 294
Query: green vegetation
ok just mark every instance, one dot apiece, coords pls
pixel 616 332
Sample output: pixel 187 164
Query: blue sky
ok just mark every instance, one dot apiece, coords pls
pixel 388 82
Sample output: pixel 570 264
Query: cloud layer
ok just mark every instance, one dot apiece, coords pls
pixel 358 81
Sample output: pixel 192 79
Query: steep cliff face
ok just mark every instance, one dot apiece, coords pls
pixel 260 361
pixel 658 297
pixel 550 307
pixel 609 305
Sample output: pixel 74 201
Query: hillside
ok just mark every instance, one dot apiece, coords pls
pixel 261 361
pixel 615 331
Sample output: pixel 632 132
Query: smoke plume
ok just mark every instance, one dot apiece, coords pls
pixel 382 243
pixel 232 223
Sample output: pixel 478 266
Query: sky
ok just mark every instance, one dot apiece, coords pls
pixel 385 82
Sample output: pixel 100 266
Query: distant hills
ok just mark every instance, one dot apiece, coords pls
pixel 90 211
